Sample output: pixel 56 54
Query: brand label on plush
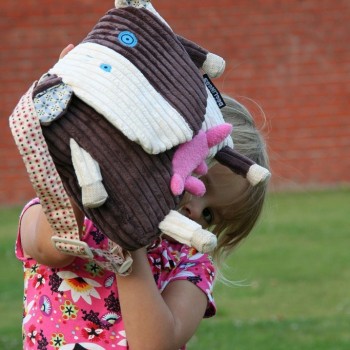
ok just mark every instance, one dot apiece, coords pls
pixel 214 91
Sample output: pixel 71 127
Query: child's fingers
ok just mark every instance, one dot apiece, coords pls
pixel 66 50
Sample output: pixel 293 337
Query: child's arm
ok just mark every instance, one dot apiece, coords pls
pixel 36 233
pixel 153 320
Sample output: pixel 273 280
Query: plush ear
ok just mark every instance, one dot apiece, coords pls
pixel 133 3
pixel 51 101
pixel 211 64
pixel 139 4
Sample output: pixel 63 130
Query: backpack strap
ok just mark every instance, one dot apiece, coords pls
pixel 26 130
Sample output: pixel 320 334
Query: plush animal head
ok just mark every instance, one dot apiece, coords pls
pixel 120 124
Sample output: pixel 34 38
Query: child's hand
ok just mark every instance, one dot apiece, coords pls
pixel 66 50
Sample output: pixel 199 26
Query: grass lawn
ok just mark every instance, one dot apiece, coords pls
pixel 11 286
pixel 292 280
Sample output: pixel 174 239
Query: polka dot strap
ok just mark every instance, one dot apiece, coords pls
pixel 27 132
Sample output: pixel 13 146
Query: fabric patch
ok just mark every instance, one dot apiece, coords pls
pixel 52 103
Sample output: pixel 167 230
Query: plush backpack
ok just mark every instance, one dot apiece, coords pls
pixel 123 124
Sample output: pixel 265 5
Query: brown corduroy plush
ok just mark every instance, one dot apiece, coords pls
pixel 125 99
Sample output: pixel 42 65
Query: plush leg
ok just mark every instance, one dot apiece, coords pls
pixel 89 177
pixel 212 64
pixel 187 231
pixel 242 165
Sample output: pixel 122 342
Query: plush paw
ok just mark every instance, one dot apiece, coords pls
pixel 93 195
pixel 257 174
pixel 187 231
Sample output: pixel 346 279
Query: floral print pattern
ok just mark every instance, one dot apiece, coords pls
pixel 78 286
pixel 78 306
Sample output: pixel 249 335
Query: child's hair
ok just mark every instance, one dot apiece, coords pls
pixel 240 217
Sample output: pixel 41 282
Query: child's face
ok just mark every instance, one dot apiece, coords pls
pixel 223 188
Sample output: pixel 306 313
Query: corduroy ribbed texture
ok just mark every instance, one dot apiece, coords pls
pixel 197 53
pixel 233 160
pixel 159 56
pixel 137 183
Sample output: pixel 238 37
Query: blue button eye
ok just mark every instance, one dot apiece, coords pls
pixel 106 67
pixel 127 38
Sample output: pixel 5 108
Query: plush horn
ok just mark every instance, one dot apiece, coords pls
pixel 242 165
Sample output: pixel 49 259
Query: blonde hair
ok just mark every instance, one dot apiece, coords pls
pixel 240 217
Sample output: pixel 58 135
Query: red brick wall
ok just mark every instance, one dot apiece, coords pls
pixel 291 58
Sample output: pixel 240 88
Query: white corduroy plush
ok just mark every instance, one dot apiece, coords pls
pixel 123 96
pixel 187 231
pixel 89 177
pixel 213 117
pixel 257 174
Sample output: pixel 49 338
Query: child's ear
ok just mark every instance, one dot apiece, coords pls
pixel 211 64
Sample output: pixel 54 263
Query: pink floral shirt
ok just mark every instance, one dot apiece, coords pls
pixel 77 307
